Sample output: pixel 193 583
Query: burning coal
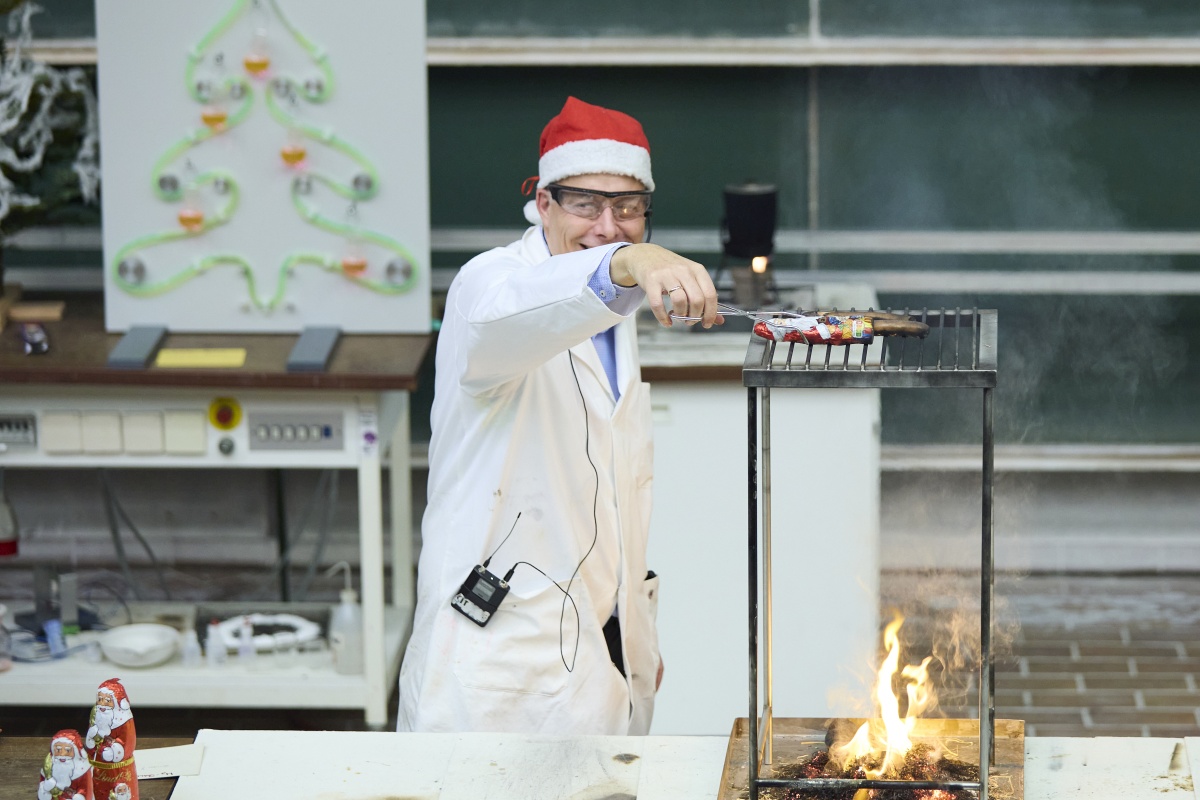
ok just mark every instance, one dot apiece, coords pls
pixel 881 748
pixel 890 745
pixel 918 764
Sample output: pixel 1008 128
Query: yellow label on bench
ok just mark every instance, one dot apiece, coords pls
pixel 201 357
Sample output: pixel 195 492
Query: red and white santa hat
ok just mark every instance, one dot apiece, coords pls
pixel 584 139
pixel 113 688
pixel 72 737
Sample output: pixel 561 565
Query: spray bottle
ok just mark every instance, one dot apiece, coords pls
pixel 346 628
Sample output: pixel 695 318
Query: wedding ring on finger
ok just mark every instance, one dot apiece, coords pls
pixel 673 288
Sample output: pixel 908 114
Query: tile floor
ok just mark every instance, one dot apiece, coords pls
pixel 1077 655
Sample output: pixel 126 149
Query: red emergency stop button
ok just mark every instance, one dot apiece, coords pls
pixel 225 413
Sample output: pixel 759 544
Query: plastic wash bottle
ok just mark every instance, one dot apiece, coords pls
pixel 346 628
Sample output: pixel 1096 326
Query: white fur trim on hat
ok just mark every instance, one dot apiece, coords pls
pixel 531 213
pixel 595 156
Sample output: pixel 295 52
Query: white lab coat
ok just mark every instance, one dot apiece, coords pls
pixel 508 437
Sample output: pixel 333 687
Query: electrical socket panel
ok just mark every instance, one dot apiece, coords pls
pixel 18 430
pixel 149 427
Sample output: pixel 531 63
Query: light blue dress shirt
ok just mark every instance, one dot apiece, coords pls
pixel 621 299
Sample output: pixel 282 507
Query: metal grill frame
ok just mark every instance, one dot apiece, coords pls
pixel 972 366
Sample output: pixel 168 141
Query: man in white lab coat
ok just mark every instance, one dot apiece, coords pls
pixel 541 457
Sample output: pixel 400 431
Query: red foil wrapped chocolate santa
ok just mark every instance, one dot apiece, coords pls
pixel 66 773
pixel 110 742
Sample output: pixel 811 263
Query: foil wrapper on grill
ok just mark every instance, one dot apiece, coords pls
pixel 825 329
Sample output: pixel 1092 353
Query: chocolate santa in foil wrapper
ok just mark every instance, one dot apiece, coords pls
pixel 110 742
pixel 66 773
pixel 825 329
pixel 838 327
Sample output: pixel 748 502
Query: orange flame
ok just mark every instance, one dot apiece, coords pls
pixel 892 741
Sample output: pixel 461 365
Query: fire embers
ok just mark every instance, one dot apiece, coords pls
pixel 920 764
pixel 825 329
pixel 883 748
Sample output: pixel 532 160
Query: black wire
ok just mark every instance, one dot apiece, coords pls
pixel 587 448
pixel 114 528
pixel 587 445
pixel 162 578
pixel 566 597
pixel 158 568
pixel 85 592
pixel 302 524
pixel 331 500
pixel 488 560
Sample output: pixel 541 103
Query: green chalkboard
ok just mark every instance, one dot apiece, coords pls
pixel 63 19
pixel 707 127
pixel 1070 369
pixel 913 148
pixel 1057 18
pixel 616 18
pixel 999 148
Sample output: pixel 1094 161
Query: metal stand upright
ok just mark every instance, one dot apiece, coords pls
pixel 959 352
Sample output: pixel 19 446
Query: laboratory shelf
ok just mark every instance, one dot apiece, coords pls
pixel 305 680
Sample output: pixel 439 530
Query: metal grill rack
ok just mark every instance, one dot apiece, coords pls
pixel 958 352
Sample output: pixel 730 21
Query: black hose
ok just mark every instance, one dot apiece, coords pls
pixel 115 530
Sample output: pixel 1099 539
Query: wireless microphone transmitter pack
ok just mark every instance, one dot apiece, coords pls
pixel 480 596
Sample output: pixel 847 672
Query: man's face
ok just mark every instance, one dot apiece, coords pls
pixel 104 701
pixel 566 233
pixel 63 750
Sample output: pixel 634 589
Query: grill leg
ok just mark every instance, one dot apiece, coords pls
pixel 987 701
pixel 752 583
pixel 768 643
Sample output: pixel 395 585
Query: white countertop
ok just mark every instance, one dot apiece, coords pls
pixel 306 765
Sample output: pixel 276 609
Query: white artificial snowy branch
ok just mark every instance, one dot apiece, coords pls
pixel 30 116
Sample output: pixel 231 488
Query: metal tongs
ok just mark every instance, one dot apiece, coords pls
pixel 726 310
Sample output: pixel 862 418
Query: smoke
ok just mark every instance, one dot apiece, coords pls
pixel 931 553
pixel 942 619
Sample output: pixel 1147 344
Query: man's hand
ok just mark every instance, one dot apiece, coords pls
pixel 662 273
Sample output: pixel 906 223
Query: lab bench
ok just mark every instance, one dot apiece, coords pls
pixel 354 415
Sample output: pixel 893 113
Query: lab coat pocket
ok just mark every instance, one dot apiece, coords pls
pixel 519 650
pixel 650 589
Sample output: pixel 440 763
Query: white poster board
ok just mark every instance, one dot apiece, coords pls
pixel 265 164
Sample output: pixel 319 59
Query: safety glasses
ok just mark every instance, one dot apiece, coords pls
pixel 590 204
